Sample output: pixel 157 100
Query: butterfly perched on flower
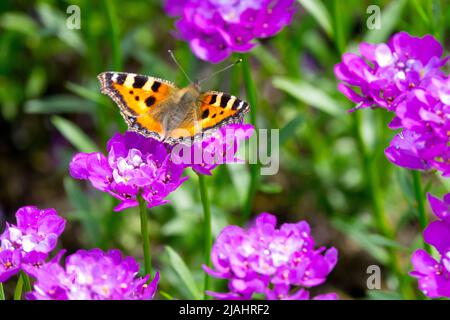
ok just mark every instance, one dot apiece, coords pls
pixel 157 108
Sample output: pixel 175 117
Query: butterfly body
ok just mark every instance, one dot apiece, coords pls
pixel 179 107
pixel 157 108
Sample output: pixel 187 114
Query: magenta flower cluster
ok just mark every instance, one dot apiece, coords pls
pixel 434 276
pixel 134 165
pixel 25 246
pixel 218 148
pixel 88 275
pixel 276 263
pixel 405 76
pixel 92 275
pixel 385 73
pixel 138 165
pixel 215 29
pixel 424 118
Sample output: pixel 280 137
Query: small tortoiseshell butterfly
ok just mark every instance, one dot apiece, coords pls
pixel 157 108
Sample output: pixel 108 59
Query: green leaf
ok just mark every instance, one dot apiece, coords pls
pixel 152 63
pixel 405 183
pixel 390 16
pixel 2 292
pixel 88 94
pixel 271 188
pixel 240 178
pixel 313 42
pixel 54 22
pixel 74 134
pixel 268 60
pixel 83 209
pixel 76 196
pixel 288 131
pixel 317 9
pixel 361 236
pixel 36 82
pixel 59 104
pixel 165 295
pixel 10 97
pixel 15 21
pixel 420 10
pixel 183 272
pixel 309 94
pixel 383 295
pixel 385 242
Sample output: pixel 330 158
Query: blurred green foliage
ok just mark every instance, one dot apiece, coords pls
pixel 51 107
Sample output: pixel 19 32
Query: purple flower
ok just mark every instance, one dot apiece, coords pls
pixel 386 72
pixel 277 263
pixel 135 165
pixel 25 246
pixel 404 151
pixel 433 275
pixel 425 120
pixel 218 148
pixel 438 232
pixel 423 113
pixel 440 87
pixel 217 28
pixel 405 76
pixel 92 275
pixel 10 263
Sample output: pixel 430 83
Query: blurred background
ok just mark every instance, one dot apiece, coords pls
pixel 51 108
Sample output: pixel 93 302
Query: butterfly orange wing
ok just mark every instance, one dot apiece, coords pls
pixel 139 98
pixel 214 109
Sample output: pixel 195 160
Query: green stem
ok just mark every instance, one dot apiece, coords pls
pixel 420 202
pixel 235 81
pixel 339 38
pixel 18 290
pixel 26 282
pixel 251 90
pixel 381 220
pixel 251 192
pixel 145 237
pixel 166 295
pixel 115 39
pixel 207 229
pixel 254 168
pixel 2 293
pixel 432 19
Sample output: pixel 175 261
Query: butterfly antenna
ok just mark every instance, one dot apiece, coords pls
pixel 221 70
pixel 179 65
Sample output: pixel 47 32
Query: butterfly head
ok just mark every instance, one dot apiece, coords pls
pixel 190 93
pixel 196 86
